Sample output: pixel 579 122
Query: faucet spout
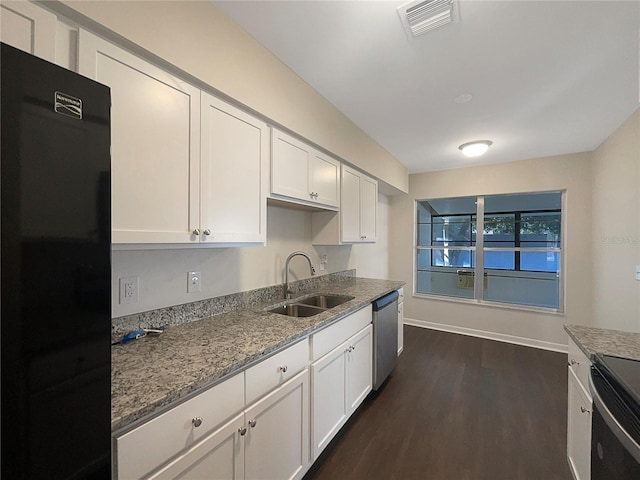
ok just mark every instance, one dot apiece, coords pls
pixel 312 269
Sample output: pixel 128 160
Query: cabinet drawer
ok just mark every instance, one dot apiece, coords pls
pixel 275 370
pixel 579 364
pixel 326 340
pixel 150 445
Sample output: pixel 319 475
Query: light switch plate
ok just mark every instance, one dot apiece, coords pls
pixel 194 282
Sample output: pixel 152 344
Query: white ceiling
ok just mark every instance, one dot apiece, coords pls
pixel 547 77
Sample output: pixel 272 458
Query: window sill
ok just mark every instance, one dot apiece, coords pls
pixel 505 306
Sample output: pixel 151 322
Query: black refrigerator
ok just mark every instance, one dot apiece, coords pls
pixel 56 271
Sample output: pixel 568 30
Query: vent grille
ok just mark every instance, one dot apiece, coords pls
pixel 419 18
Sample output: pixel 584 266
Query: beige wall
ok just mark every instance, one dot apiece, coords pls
pixel 616 229
pixel 568 172
pixel 163 273
pixel 199 39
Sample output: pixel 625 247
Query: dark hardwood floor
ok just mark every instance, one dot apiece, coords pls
pixel 455 408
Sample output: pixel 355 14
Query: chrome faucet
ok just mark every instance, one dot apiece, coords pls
pixel 287 292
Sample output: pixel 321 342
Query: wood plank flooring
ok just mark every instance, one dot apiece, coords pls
pixel 457 408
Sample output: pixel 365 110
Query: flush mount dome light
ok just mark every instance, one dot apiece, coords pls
pixel 475 148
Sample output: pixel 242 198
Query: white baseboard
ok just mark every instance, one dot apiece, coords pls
pixel 500 337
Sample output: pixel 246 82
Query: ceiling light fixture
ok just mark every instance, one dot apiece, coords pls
pixel 475 148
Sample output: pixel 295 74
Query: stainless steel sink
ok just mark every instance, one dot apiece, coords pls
pixel 326 301
pixel 308 307
pixel 297 310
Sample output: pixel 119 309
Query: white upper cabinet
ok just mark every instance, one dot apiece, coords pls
pixel 357 220
pixel 28 27
pixel 301 174
pixel 187 168
pixel 234 174
pixel 155 145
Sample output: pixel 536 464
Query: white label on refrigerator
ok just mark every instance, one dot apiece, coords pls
pixel 68 105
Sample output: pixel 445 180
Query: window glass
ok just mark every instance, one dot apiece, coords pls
pixel 521 248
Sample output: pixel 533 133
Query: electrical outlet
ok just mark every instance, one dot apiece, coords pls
pixel 324 259
pixel 637 272
pixel 194 282
pixel 129 290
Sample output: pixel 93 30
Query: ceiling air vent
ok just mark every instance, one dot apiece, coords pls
pixel 420 17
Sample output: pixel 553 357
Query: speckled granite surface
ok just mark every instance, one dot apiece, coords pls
pixel 593 340
pixel 190 312
pixel 150 374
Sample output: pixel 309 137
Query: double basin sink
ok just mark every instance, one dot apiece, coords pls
pixel 307 307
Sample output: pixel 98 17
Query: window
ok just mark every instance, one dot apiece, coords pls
pixel 518 254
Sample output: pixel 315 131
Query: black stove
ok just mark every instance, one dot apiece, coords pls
pixel 615 432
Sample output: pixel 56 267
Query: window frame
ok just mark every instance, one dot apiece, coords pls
pixel 477 248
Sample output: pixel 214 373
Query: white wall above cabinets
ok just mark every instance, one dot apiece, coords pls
pixel 357 220
pixel 187 168
pixel 301 174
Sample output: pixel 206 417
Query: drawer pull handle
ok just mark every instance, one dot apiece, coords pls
pixel 196 421
pixel 283 369
pixel 584 410
pixel 573 362
pixel 242 431
pixel 350 349
pixel 252 423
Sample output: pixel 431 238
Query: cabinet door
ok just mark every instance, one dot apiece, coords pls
pixel 28 27
pixel 324 179
pixel 289 166
pixel 579 430
pixel 359 364
pixel 219 456
pixel 368 208
pixel 328 398
pixel 277 440
pixel 350 206
pixel 234 174
pixel 155 146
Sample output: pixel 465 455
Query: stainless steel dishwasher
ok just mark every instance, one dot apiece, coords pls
pixel 385 337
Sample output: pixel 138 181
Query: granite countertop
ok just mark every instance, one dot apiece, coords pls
pixel 593 340
pixel 151 374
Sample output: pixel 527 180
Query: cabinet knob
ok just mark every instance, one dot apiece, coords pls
pixel 196 232
pixel 313 195
pixel 573 362
pixel 252 423
pixel 584 410
pixel 207 232
pixel 283 369
pixel 350 349
pixel 242 431
pixel 362 237
pixel 196 421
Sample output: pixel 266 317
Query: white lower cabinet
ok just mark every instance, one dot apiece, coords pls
pixel 268 440
pixel 267 423
pixel 580 408
pixel 277 438
pixel 340 382
pixel 219 456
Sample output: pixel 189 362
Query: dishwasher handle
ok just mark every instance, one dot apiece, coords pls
pixel 382 302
